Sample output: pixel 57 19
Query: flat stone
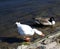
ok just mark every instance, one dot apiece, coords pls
pixel 22 47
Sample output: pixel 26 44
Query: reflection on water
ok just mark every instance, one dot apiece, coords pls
pixel 11 39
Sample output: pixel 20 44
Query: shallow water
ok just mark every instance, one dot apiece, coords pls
pixel 23 11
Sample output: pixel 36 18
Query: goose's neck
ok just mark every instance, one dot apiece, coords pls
pixel 19 24
pixel 37 31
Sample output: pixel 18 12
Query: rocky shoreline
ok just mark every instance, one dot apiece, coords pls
pixel 52 42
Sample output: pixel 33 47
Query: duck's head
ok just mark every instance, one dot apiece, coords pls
pixel 52 20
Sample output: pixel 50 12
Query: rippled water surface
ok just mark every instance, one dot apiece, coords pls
pixel 23 11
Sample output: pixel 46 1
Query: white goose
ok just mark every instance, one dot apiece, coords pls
pixel 46 21
pixel 26 30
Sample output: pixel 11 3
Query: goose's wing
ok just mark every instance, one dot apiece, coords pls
pixel 20 30
pixel 27 29
pixel 47 23
pixel 42 20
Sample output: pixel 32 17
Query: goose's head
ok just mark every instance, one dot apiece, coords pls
pixel 52 20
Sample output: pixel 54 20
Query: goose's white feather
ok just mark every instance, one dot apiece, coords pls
pixel 37 32
pixel 53 22
pixel 24 29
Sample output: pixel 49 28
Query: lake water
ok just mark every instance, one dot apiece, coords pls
pixel 24 10
pixel 23 6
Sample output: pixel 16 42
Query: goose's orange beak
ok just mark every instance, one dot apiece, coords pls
pixel 42 34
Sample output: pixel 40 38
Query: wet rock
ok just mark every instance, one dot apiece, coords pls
pixel 51 45
pixel 22 47
pixel 41 47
